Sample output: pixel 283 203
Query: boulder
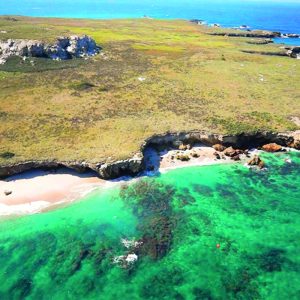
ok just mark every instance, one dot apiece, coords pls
pixel 184 147
pixel 183 157
pixel 195 155
pixel 273 147
pixel 217 155
pixel 7 192
pixel 256 161
pixel 219 147
pixel 231 152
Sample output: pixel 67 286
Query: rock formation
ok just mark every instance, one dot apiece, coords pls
pixel 256 161
pixel 273 147
pixel 64 48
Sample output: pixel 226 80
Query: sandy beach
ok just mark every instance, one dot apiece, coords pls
pixel 37 191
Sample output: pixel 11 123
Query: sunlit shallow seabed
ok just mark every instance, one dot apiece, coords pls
pixel 213 232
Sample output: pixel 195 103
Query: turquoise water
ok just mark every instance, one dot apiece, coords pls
pixel 213 232
pixel 283 16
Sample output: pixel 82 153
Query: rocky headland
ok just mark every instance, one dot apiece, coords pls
pixel 64 48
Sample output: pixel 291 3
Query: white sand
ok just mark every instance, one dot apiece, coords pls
pixel 37 191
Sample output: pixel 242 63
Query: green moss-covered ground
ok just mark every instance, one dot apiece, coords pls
pixel 98 109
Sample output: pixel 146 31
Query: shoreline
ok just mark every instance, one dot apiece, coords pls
pixel 47 190
pixel 289 36
pixel 39 191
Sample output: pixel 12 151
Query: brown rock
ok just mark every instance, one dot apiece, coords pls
pixel 273 147
pixel 195 154
pixel 232 152
pixel 256 161
pixel 295 144
pixel 219 147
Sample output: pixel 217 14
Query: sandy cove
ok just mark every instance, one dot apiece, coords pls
pixel 37 191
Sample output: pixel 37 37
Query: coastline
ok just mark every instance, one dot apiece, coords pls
pixel 38 191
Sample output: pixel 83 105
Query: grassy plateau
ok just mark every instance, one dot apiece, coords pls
pixel 152 76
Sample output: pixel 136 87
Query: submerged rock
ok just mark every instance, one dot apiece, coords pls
pixel 64 48
pixel 125 261
pixel 256 161
pixel 273 147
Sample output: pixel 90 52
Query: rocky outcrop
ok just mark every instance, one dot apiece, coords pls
pixel 64 48
pixel 290 35
pixel 250 34
pixel 293 52
pixel 256 161
pixel 136 164
pixel 197 21
pixel 273 147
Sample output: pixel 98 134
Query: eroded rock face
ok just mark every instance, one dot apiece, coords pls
pixel 64 48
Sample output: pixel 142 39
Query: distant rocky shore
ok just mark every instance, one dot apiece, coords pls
pixel 64 48
pixel 265 36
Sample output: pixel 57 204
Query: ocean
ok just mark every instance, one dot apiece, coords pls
pixel 211 232
pixel 283 16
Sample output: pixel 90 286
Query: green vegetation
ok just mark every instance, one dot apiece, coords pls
pixel 152 76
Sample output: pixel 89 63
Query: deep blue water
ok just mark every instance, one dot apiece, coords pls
pixel 283 16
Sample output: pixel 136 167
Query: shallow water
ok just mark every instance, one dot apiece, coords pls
pixel 213 232
pixel 283 16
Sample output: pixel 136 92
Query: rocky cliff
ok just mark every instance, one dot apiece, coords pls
pixel 64 48
pixel 135 165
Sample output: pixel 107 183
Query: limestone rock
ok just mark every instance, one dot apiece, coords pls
pixel 64 48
